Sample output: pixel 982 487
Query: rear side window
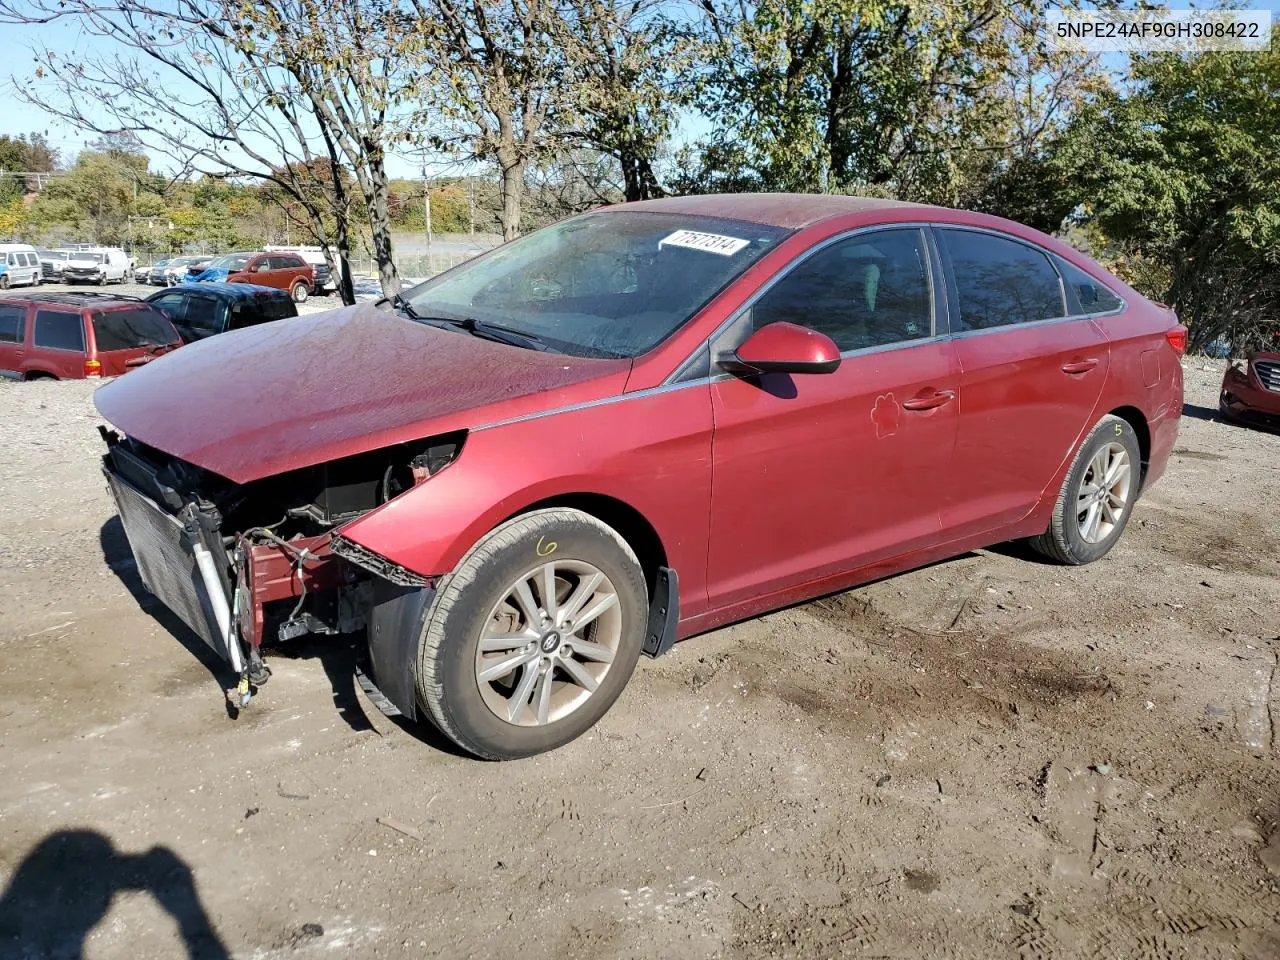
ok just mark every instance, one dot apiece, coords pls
pixel 205 314
pixel 1091 295
pixel 866 291
pixel 12 323
pixel 131 328
pixel 261 311
pixel 59 331
pixel 1001 282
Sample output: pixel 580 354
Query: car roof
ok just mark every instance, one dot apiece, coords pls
pixel 793 210
pixel 79 299
pixel 230 291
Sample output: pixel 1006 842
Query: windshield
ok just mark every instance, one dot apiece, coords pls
pixel 89 257
pixel 134 327
pixel 232 261
pixel 610 284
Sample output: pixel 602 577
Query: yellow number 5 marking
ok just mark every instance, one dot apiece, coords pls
pixel 1119 430
pixel 545 550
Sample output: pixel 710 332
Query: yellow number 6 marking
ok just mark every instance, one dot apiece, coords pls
pixel 545 550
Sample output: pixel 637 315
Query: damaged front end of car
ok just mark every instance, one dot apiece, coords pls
pixel 248 564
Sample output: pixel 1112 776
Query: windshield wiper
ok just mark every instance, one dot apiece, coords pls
pixel 490 331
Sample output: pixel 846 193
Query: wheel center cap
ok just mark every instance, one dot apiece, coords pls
pixel 550 641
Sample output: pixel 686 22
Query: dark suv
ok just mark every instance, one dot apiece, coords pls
pixel 71 336
pixel 200 310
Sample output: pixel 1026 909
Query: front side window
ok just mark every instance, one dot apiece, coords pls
pixel 602 284
pixel 59 331
pixel 1090 294
pixel 1001 282
pixel 131 328
pixel 12 323
pixel 867 291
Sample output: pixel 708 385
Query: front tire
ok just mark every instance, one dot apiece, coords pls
pixel 533 637
pixel 4 282
pixel 1097 496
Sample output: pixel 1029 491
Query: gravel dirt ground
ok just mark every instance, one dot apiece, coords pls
pixel 991 757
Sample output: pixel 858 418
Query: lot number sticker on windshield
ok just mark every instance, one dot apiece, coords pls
pixel 707 242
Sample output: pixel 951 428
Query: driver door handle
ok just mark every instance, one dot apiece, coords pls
pixel 929 401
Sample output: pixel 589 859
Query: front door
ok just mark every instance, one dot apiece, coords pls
pixel 1031 378
pixel 820 473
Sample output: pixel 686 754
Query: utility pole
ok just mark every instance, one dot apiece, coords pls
pixel 426 207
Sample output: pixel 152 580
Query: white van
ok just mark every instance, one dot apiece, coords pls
pixel 98 265
pixel 19 265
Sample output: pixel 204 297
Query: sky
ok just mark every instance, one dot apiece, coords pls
pixel 17 66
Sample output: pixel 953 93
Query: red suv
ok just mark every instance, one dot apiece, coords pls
pixel 631 427
pixel 284 271
pixel 70 336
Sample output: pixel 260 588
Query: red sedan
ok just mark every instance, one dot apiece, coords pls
pixel 631 427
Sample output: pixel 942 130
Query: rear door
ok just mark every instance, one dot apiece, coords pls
pixel 130 337
pixel 1032 372
pixel 818 474
pixel 58 344
pixel 13 335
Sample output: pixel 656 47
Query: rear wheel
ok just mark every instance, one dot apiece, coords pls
pixel 300 292
pixel 1097 495
pixel 531 640
pixel 4 282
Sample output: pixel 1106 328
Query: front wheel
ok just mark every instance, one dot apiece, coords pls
pixel 300 292
pixel 1097 495
pixel 532 638
pixel 4 282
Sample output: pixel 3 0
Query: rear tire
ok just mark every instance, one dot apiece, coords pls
pixel 563 675
pixel 4 282
pixel 1097 496
pixel 300 292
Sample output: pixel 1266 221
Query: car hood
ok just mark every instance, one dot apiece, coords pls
pixel 292 393
pixel 81 262
pixel 1265 355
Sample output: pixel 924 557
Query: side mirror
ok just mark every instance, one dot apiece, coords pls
pixel 784 348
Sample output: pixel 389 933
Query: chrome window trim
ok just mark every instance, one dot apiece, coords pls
pixel 920 226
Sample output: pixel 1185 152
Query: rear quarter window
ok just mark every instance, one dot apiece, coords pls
pixel 131 328
pixel 1091 296
pixel 12 323
pixel 57 330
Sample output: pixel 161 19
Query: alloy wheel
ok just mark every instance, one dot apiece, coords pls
pixel 548 643
pixel 1103 495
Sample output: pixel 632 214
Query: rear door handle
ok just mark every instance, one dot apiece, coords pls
pixel 929 401
pixel 1080 366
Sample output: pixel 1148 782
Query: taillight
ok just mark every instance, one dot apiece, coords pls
pixel 1177 338
pixel 92 368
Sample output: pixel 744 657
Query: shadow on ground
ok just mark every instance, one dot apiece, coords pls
pixel 65 885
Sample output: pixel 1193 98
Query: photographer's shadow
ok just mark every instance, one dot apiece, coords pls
pixel 65 886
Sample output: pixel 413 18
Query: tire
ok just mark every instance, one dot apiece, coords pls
pixel 4 282
pixel 475 712
pixel 1087 523
pixel 300 292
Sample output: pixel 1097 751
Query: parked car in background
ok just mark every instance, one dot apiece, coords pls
pixel 1251 390
pixel 22 265
pixel 165 273
pixel 70 336
pixel 284 271
pixel 101 265
pixel 634 426
pixel 324 283
pixel 200 310
pixel 140 274
pixel 52 262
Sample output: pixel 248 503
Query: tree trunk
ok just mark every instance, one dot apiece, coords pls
pixel 346 288
pixel 512 196
pixel 380 222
